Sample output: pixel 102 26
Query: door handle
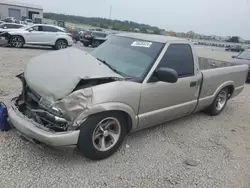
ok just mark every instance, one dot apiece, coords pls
pixel 193 84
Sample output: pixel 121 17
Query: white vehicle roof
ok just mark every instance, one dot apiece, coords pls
pixel 150 37
pixel 61 28
pixel 6 23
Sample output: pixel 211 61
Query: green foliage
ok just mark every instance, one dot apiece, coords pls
pixel 103 22
pixel 157 31
pixel 144 30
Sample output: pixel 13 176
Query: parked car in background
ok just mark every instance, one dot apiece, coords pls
pixel 28 21
pixel 39 34
pixel 96 29
pixel 5 27
pixel 130 82
pixel 94 38
pixel 75 36
pixel 10 20
pixel 243 58
pixel 236 48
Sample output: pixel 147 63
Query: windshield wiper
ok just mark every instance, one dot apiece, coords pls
pixel 112 68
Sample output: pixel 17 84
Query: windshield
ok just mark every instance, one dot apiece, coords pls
pixel 129 56
pixel 244 55
pixel 97 34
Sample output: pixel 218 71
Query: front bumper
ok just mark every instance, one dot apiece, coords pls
pixel 3 40
pixel 35 131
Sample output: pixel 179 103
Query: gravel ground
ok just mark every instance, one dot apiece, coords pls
pixel 196 151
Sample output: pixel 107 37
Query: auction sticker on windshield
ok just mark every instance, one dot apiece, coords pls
pixel 141 44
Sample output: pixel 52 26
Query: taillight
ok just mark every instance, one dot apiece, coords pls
pixel 87 36
pixel 70 35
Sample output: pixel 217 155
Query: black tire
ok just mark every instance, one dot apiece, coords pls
pixel 61 44
pixel 86 140
pixel 86 45
pixel 17 41
pixel 95 43
pixel 214 109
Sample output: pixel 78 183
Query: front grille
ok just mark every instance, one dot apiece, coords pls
pixel 29 105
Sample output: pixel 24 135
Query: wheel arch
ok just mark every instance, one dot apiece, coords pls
pixel 18 35
pixel 229 84
pixel 128 112
pixel 62 39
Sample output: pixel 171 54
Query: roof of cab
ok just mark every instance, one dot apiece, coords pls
pixel 151 37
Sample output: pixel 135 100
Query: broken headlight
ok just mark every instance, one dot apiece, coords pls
pixel 49 106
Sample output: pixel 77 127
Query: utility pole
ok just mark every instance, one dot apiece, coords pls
pixel 110 12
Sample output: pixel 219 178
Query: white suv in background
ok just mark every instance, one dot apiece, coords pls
pixel 40 34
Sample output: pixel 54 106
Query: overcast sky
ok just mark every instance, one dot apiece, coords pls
pixel 212 17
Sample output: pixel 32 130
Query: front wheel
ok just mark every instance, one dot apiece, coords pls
pixel 219 103
pixel 96 43
pixel 102 134
pixel 17 41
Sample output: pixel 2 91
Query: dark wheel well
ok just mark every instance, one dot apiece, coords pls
pixel 10 37
pixel 230 90
pixel 129 120
pixel 63 40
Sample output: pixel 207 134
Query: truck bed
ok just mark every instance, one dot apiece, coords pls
pixel 206 63
pixel 219 74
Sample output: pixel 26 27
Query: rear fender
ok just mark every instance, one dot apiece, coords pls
pixel 208 100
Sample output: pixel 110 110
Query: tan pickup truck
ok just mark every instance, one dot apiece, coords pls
pixel 130 82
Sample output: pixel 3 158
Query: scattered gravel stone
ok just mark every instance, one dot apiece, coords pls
pixel 191 162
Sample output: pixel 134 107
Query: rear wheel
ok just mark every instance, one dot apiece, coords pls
pixel 61 44
pixel 86 45
pixel 17 41
pixel 219 103
pixel 102 134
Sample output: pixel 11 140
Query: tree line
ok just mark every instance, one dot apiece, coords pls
pixel 104 23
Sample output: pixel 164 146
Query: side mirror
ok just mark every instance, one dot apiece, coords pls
pixel 166 75
pixel 233 56
pixel 30 29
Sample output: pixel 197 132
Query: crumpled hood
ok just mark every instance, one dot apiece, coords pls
pixel 55 75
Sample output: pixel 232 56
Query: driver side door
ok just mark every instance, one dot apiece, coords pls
pixel 162 101
pixel 35 36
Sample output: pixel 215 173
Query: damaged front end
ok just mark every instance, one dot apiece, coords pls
pixel 61 115
pixel 4 38
pixel 34 107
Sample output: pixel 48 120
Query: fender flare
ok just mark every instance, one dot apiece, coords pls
pixel 109 106
pixel 225 84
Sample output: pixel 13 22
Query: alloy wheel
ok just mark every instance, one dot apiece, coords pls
pixel 106 134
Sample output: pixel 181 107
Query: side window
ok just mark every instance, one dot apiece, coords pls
pixel 35 28
pixel 50 29
pixel 9 26
pixel 17 26
pixel 180 58
pixel 2 26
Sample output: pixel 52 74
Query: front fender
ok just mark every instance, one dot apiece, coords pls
pixel 109 106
